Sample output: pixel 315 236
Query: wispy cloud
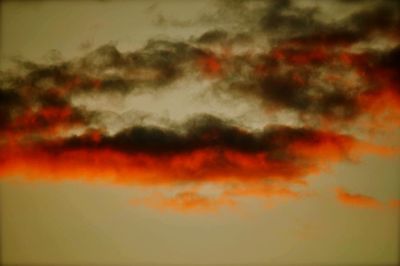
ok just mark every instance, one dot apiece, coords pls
pixel 185 202
pixel 357 200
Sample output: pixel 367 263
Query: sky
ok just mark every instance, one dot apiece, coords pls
pixel 200 132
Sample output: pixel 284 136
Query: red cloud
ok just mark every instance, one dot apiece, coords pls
pixel 210 65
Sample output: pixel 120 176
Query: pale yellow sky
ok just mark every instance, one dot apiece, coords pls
pixel 79 222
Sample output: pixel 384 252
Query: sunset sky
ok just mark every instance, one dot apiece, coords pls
pixel 200 132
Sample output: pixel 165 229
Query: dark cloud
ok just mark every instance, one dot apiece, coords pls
pixel 207 133
pixel 157 64
pixel 204 148
pixel 304 97
pixel 9 102
pixel 300 24
pixel 198 133
pixel 299 91
pixel 213 36
pixel 383 16
pixel 283 17
pixel 102 58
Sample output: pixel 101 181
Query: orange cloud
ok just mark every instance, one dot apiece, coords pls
pixel 357 200
pixel 153 156
pixel 394 203
pixel 185 202
pixel 205 165
pixel 260 191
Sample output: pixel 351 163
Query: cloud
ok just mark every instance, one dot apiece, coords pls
pixel 261 191
pixel 294 75
pixel 213 36
pixel 204 149
pixel 9 100
pixel 335 76
pixel 305 24
pixel 356 200
pixel 193 201
pixel 394 203
pixel 283 17
pixel 185 202
pixel 364 201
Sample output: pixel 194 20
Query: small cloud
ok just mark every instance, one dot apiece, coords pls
pixel 357 200
pixel 185 202
pixel 394 203
pixel 261 191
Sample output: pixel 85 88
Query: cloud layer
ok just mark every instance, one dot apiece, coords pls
pixel 336 76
